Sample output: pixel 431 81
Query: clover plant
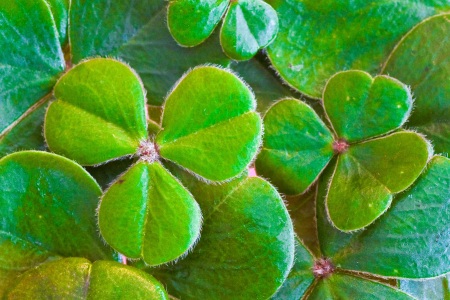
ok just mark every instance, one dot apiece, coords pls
pixel 128 156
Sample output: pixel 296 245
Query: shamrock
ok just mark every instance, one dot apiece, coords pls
pixel 372 164
pixel 208 127
pixel 248 25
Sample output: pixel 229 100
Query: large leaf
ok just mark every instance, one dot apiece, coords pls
pixel 247 244
pixel 78 278
pixel 360 107
pixel 60 11
pixel 249 25
pixel 342 286
pixel 369 173
pixel 436 288
pixel 412 238
pixel 191 22
pixel 30 60
pixel 136 32
pixel 422 60
pixel 297 146
pixel 319 38
pixel 161 221
pixel 47 209
pixel 93 119
pixel 209 124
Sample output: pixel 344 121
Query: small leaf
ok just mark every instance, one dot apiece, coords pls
pixel 436 288
pixel 162 220
pixel 360 107
pixel 209 124
pixel 77 278
pixel 342 286
pixel 30 60
pixel 316 39
pixel 369 173
pixel 249 25
pixel 421 59
pixel 412 238
pixel 191 22
pixel 247 244
pixel 113 116
pixel 137 33
pixel 301 276
pixel 297 146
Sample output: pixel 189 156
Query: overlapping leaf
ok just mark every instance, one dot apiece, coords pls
pixel 422 60
pixel 316 39
pixel 78 278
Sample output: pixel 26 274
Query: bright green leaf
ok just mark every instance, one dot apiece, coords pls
pixel 297 146
pixel 436 288
pixel 161 220
pixel 209 124
pixel 422 60
pixel 412 238
pixel 300 277
pixel 369 173
pixel 249 25
pixel 192 21
pixel 77 278
pixel 94 119
pixel 360 107
pixel 136 32
pixel 316 39
pixel 30 58
pixel 341 286
pixel 247 238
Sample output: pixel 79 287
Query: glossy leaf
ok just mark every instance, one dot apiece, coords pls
pixel 136 32
pixel 436 288
pixel 301 276
pixel 162 220
pixel 47 209
pixel 30 60
pixel 78 278
pixel 411 239
pixel 26 134
pixel 266 86
pixel 93 119
pixel 422 60
pixel 60 11
pixel 341 286
pixel 247 238
pixel 297 146
pixel 316 39
pixel 249 25
pixel 192 21
pixel 369 173
pixel 360 107
pixel 209 124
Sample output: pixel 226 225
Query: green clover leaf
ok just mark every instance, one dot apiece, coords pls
pixel 93 120
pixel 317 39
pixel 248 25
pixel 78 278
pixel 408 242
pixel 298 146
pixel 426 68
pixel 47 210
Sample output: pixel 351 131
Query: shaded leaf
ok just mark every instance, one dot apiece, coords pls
pixel 297 146
pixel 422 60
pixel 60 11
pixel 113 117
pixel 223 131
pixel 316 39
pixel 369 173
pixel 77 278
pixel 162 220
pixel 360 107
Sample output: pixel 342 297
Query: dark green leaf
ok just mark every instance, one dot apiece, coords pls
pixel 316 39
pixel 436 288
pixel 60 11
pixel 297 146
pixel 77 278
pixel 93 119
pixel 422 60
